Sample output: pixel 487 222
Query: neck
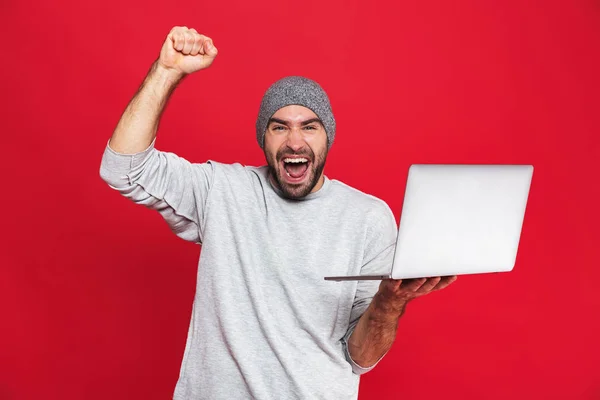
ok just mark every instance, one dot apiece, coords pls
pixel 319 184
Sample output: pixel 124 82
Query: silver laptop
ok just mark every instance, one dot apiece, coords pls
pixel 458 219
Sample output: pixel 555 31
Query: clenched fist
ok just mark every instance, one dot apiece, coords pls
pixel 186 51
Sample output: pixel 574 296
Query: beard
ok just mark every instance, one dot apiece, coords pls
pixel 314 171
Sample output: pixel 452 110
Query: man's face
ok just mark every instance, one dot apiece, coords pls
pixel 295 147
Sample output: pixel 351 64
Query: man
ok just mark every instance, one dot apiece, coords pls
pixel 265 324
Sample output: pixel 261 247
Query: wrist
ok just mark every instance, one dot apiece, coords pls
pixel 388 309
pixel 166 76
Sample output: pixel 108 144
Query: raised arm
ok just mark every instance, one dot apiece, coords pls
pixel 184 51
pixel 176 188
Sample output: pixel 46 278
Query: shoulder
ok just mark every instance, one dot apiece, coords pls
pixel 231 168
pixel 236 173
pixel 364 202
pixel 374 214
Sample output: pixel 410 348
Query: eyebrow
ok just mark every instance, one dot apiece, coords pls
pixel 286 123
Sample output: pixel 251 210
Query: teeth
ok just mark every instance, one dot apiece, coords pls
pixel 295 160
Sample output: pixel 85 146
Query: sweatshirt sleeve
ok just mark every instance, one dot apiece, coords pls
pixel 164 182
pixel 378 259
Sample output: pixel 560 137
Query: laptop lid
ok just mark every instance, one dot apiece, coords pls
pixel 461 219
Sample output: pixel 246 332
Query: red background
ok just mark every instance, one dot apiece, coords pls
pixel 96 293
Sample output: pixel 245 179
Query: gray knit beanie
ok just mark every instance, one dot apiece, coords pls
pixel 295 90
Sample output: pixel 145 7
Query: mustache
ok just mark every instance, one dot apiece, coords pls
pixel 304 152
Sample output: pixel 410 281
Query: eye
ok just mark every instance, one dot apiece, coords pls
pixel 310 127
pixel 278 128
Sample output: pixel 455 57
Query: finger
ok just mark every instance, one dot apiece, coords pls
pixel 429 285
pixel 201 41
pixel 445 282
pixel 389 285
pixel 178 39
pixel 177 34
pixel 412 285
pixel 394 284
pixel 179 29
pixel 189 42
pixel 197 46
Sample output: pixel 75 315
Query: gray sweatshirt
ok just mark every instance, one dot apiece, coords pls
pixel 265 325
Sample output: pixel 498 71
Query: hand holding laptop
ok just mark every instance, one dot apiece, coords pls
pixel 375 332
pixel 394 294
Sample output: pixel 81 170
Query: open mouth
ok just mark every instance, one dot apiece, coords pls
pixel 296 168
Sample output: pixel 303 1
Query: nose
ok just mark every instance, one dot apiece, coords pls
pixel 295 140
